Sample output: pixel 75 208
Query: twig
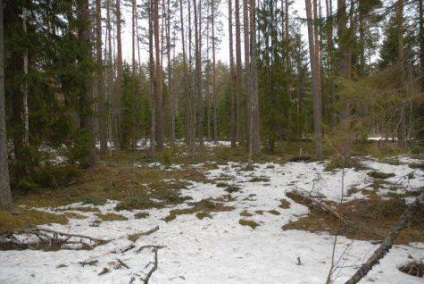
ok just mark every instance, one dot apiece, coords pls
pixel 120 264
pixel 148 246
pixel 388 241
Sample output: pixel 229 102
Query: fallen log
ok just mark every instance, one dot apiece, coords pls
pixel 388 241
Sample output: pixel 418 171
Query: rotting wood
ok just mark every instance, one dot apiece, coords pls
pixel 388 241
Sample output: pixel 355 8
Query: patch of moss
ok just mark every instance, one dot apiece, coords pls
pixel 284 204
pixel 205 206
pixel 201 215
pixel 141 215
pixel 259 179
pixel 380 175
pixel 246 213
pixel 111 217
pixel 73 215
pixel 274 212
pixel 252 224
pixel 26 219
pixel 170 217
pixel 231 188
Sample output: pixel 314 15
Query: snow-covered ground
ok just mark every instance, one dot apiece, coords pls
pixel 219 249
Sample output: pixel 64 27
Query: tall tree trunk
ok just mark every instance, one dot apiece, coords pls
pixel 401 57
pixel 255 142
pixel 315 85
pixel 247 67
pixel 198 81
pixel 158 80
pixel 330 59
pixel 100 81
pixel 134 86
pixel 214 95
pixel 421 37
pixel 86 98
pixel 232 78
pixel 25 86
pixel 192 144
pixel 5 193
pixel 239 79
pixel 119 78
pixel 110 75
pixel 186 86
pixel 171 92
pixel 152 80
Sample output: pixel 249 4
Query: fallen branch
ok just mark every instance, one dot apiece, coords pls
pixel 72 235
pixel 388 241
pixel 149 232
pixel 154 268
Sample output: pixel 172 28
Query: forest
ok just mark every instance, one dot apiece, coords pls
pixel 181 135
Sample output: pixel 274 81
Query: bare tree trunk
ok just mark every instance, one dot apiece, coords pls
pixel 134 87
pixel 198 82
pixel 232 78
pixel 192 113
pixel 238 74
pixel 110 76
pixel 421 36
pixel 119 78
pixel 25 86
pixel 100 81
pixel 158 80
pixel 255 142
pixel 5 193
pixel 187 100
pixel 172 99
pixel 247 67
pixel 315 85
pixel 152 81
pixel 214 95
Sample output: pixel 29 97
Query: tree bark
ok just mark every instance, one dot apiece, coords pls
pixel 5 193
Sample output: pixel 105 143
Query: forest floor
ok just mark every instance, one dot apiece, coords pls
pixel 217 219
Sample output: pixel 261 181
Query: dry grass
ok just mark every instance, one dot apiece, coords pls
pixel 26 219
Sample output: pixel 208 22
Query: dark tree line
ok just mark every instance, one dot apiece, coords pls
pixel 68 88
